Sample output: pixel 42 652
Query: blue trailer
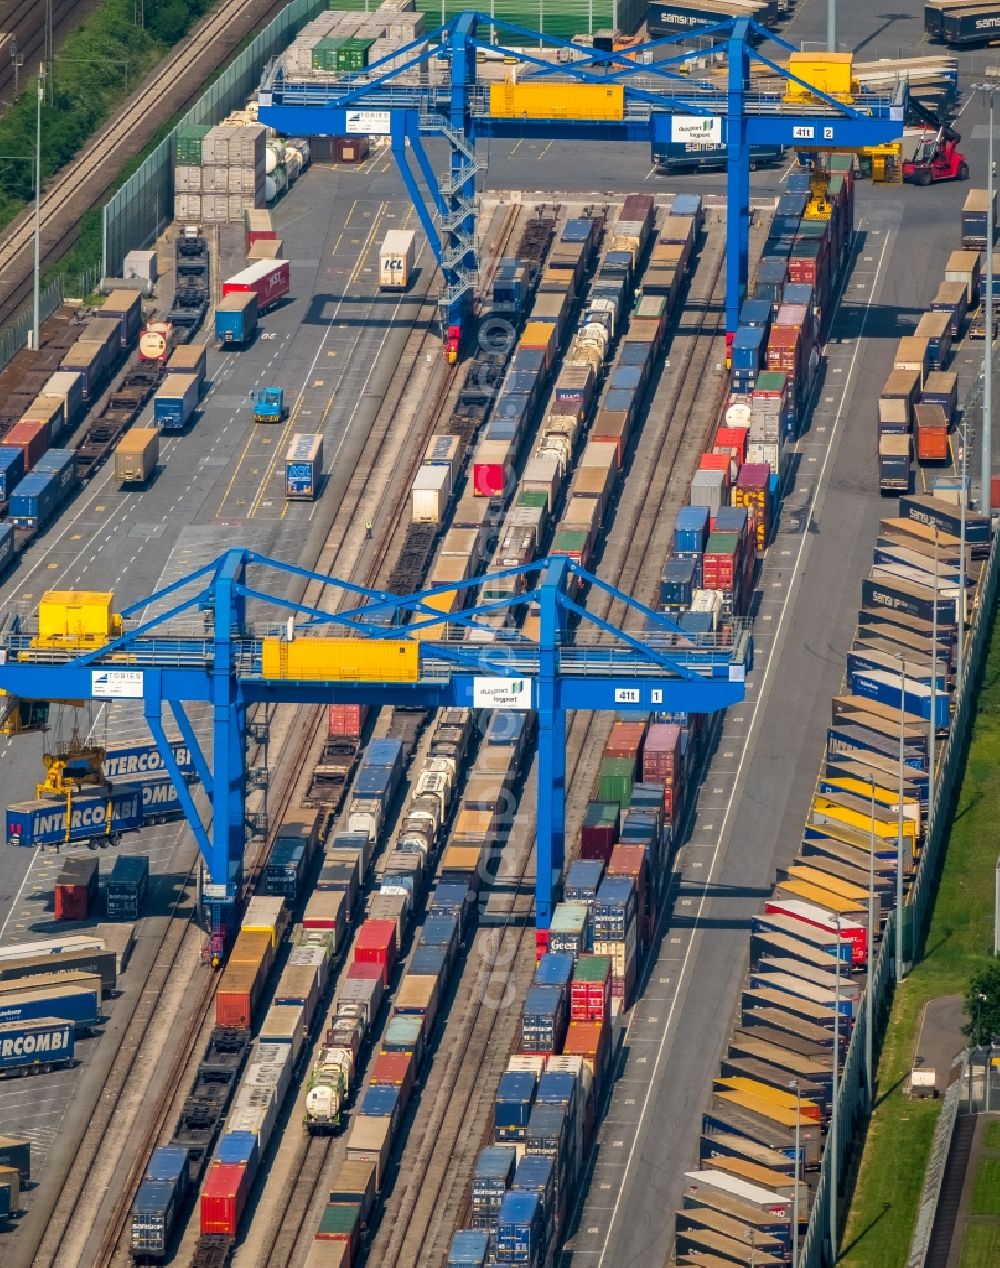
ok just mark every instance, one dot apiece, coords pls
pixel 142 757
pixel 175 401
pixel 303 467
pixel 34 1047
pixel 94 817
pixel 67 1003
pixel 236 318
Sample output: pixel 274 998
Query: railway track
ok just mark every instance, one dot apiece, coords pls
pixel 275 1245
pixel 80 184
pixel 23 37
pixel 422 1214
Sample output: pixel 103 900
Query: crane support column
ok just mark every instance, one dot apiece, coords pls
pixel 737 176
pixel 229 773
pixel 550 815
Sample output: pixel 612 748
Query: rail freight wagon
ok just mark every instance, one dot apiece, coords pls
pixel 92 817
pixel 35 1047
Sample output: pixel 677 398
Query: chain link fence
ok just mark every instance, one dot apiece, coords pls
pixel 853 1096
pixel 139 212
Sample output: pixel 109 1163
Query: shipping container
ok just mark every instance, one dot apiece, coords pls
pixel 268 280
pixel 137 454
pixel 396 259
pixel 175 401
pixel 236 318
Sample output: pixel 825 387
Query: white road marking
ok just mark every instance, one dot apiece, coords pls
pixel 772 660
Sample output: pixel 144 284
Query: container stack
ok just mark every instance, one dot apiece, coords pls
pixel 228 178
pixel 347 43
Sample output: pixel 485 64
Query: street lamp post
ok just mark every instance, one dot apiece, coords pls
pixel 835 1094
pixel 831 25
pixel 932 728
pixel 987 437
pixel 960 613
pixel 794 1085
pixel 869 994
pixel 996 910
pixel 38 210
pixel 899 828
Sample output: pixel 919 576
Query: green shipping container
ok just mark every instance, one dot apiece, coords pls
pixel 533 497
pixel 352 55
pixel 616 779
pixel 569 541
pixel 189 140
pixel 324 54
pixel 841 162
pixel 722 544
pixel 771 381
pixel 569 18
pixel 340 1220
pixel 592 968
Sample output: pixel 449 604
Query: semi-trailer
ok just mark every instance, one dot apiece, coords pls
pixel 137 454
pixel 267 280
pixel 236 318
pixel 175 402
pixel 88 817
pixel 35 1047
pixel 396 258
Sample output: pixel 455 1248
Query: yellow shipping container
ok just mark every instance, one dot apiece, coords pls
pixel 831 73
pixel 557 101
pixel 76 618
pixel 341 659
pixel 461 858
pixel 820 897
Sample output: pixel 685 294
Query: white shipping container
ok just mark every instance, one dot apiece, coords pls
pixel 215 180
pixel 766 451
pixel 764 429
pixel 396 258
pixel 429 494
pixel 542 474
pixel 187 180
pixel 285 1024
pixel 188 208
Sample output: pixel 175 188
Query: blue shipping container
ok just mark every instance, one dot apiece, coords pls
pixel 11 470
pixel 60 463
pixel 555 968
pixel 469 1248
pixel 153 1215
pixel 35 500
pixel 44 822
pixel 170 1163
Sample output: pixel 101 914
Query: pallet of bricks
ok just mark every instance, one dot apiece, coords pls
pixel 220 173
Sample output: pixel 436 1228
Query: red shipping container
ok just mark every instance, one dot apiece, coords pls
pixel 719 462
pixel 394 1069
pixel 489 479
pixel 591 1001
pixel 625 740
pixel 637 207
pixel 631 860
pixel 734 438
pixel 71 902
pixel 612 429
pixel 376 944
pixel 597 839
pixel 31 437
pixel 661 753
pixel 718 570
pixel 994 492
pixel 346 721
pixel 368 970
pixel 223 1199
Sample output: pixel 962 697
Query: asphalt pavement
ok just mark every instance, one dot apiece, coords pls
pixel 753 800
pixel 333 347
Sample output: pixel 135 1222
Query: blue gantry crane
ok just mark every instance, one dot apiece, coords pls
pixel 437 88
pixel 259 647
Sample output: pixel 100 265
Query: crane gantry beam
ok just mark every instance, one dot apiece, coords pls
pixel 215 639
pixel 432 87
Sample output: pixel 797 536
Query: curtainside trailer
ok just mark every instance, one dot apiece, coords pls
pixel 35 1047
pixel 91 818
pixel 268 280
